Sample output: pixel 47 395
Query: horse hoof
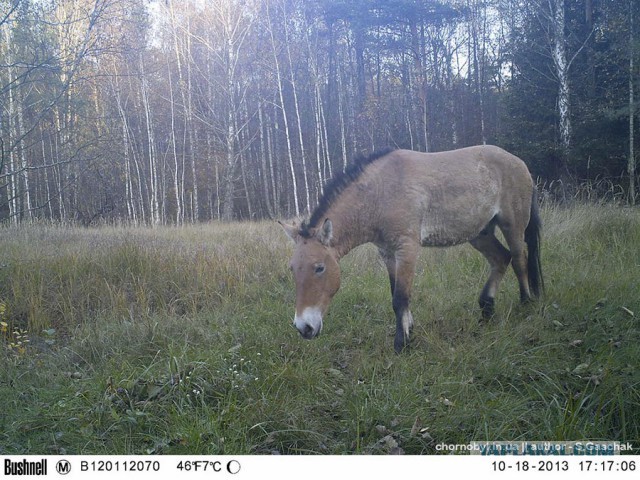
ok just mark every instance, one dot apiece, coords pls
pixel 487 305
pixel 401 344
pixel 526 300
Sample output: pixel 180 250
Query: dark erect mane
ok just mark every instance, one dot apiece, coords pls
pixel 337 185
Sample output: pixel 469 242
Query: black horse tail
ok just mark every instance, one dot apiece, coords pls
pixel 532 237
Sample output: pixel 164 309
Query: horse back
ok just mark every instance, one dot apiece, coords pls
pixel 447 198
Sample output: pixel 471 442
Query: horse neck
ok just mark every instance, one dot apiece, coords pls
pixel 352 226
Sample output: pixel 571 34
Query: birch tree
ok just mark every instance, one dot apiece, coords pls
pixel 233 22
pixel 154 184
pixel 44 49
pixel 296 104
pixel 285 119
pixel 182 35
pixel 559 56
pixel 631 162
pixel 553 14
pixel 193 110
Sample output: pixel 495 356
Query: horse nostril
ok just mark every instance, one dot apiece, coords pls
pixel 309 323
pixel 307 331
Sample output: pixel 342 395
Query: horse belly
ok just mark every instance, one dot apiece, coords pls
pixel 447 228
pixel 440 236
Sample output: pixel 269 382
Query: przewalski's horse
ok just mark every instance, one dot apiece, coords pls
pixel 401 200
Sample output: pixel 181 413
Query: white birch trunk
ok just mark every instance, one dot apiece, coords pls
pixel 319 143
pixel 230 168
pixel 193 143
pixel 179 165
pixel 229 173
pixel 631 166
pixel 154 182
pixel 211 157
pixel 343 136
pixel 272 171
pixel 561 64
pixel 176 165
pixel 25 192
pixel 285 120
pixel 327 156
pixel 12 192
pixel 263 162
pixel 244 140
pixel 305 173
pixel 62 213
pixel 320 127
pixel 131 212
pixel 47 186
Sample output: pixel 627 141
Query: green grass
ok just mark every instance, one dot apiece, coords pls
pixel 179 340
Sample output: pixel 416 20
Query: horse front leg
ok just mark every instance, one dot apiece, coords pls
pixel 401 266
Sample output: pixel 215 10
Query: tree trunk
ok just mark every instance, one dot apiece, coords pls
pixel 154 181
pixel 285 120
pixel 475 36
pixel 421 87
pixel 179 166
pixel 212 158
pixel 132 213
pixel 631 166
pixel 303 156
pixel 361 81
pixel 228 187
pixel 342 121
pixel 192 130
pixel 273 172
pixel 245 140
pixel 11 180
pixel 229 59
pixel 176 165
pixel 559 56
pixel 263 163
pixel 27 212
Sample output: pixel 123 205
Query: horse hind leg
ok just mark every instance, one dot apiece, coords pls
pixel 517 245
pixel 499 258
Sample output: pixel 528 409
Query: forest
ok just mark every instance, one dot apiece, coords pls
pixel 166 112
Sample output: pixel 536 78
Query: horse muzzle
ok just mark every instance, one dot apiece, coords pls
pixel 309 323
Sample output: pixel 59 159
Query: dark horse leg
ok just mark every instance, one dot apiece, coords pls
pixel 498 257
pixel 401 268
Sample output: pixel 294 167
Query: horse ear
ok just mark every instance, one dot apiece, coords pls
pixel 325 234
pixel 292 230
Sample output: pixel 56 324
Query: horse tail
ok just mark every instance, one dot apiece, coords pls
pixel 532 237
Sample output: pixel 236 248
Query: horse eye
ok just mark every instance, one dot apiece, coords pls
pixel 319 268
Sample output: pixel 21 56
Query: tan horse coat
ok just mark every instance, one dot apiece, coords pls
pixel 402 200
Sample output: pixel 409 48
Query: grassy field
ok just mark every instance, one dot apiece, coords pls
pixel 119 340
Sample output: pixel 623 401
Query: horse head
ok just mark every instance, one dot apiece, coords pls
pixel 316 272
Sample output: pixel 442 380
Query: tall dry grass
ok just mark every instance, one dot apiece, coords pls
pixel 179 340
